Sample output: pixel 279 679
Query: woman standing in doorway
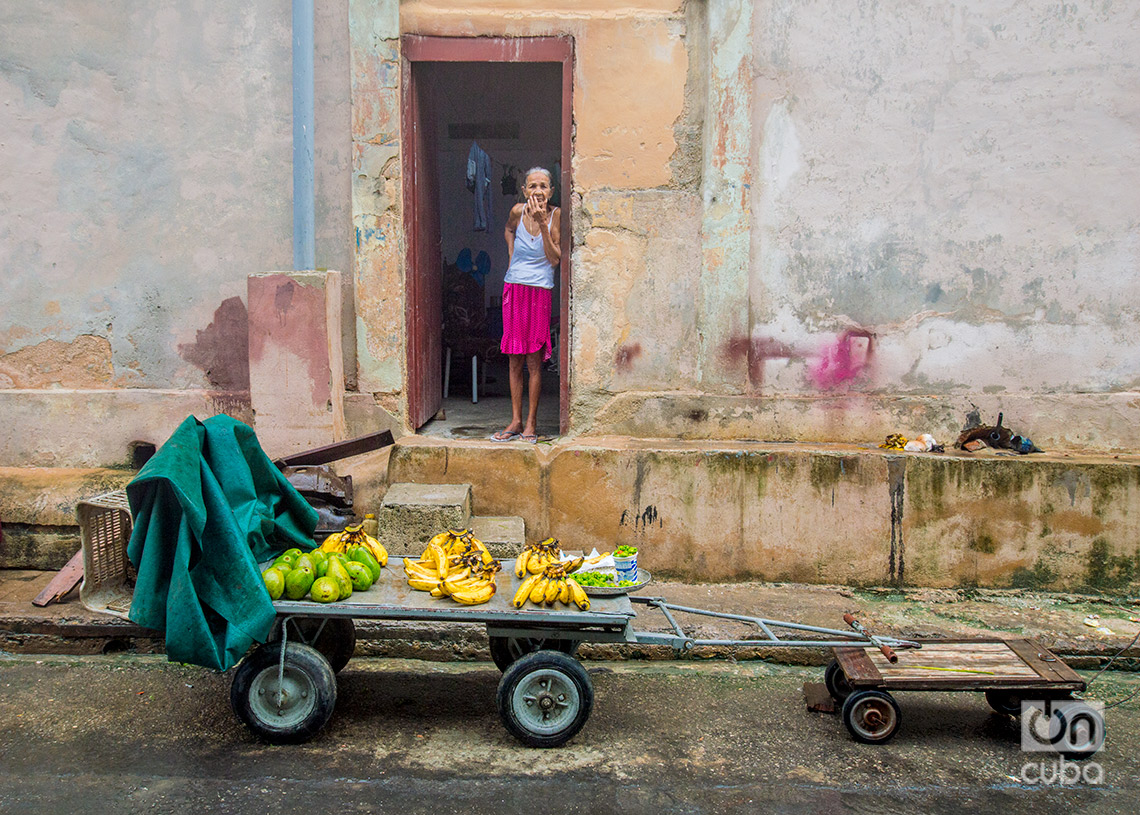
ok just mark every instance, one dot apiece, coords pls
pixel 533 243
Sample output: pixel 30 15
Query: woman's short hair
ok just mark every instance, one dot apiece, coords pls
pixel 544 171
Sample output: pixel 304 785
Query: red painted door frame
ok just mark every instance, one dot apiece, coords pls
pixel 418 48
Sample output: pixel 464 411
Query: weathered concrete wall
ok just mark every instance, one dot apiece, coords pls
pixel 632 231
pixel 147 152
pixel 942 215
pixel 829 514
pixel 789 220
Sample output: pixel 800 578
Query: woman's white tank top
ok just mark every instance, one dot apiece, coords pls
pixel 529 265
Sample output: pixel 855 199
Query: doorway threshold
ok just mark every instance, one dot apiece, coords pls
pixel 460 418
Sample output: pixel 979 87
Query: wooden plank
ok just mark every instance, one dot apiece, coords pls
pixel 1045 662
pixel 335 452
pixel 859 670
pixel 64 581
pixel 971 665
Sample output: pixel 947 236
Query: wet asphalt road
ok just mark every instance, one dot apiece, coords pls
pixel 132 734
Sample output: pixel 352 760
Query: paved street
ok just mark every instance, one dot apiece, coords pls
pixel 138 734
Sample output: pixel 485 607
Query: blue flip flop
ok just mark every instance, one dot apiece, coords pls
pixel 505 435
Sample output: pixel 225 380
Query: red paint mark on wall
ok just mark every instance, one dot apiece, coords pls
pixel 840 362
pixel 290 317
pixel 625 356
pixel 843 360
pixel 757 351
pixel 221 349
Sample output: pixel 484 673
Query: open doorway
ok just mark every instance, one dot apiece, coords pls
pixel 511 99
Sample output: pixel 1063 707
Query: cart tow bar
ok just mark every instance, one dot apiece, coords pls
pixel 683 642
pixel 891 656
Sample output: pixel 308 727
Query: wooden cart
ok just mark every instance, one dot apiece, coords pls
pixel 1007 671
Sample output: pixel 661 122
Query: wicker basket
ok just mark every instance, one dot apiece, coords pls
pixel 108 577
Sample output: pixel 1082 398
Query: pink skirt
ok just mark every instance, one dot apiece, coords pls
pixel 526 320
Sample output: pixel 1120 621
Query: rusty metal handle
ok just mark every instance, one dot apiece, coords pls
pixel 888 652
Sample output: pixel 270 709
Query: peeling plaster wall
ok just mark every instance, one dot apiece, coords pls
pixel 946 209
pixel 147 154
pixel 797 220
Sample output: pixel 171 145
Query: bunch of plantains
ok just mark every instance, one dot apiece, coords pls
pixel 355 536
pixel 455 564
pixel 537 556
pixel 549 581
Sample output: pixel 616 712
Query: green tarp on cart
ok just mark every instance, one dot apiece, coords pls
pixel 207 508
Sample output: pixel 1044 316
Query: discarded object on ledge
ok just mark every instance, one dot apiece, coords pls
pixel 925 443
pixel 996 436
pixel 895 441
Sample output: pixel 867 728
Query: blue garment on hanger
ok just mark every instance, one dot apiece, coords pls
pixel 482 267
pixel 479 181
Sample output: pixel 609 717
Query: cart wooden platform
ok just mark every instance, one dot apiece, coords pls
pixel 1006 670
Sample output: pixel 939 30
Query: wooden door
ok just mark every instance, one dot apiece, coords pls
pixel 421 221
pixel 423 284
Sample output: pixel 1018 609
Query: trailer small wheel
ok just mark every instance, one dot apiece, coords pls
pixel 336 640
pixel 836 681
pixel 289 710
pixel 505 651
pixel 1004 701
pixel 545 698
pixel 871 716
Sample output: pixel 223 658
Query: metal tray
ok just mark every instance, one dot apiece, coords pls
pixel 644 578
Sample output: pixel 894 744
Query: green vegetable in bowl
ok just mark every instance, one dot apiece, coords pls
pixel 600 579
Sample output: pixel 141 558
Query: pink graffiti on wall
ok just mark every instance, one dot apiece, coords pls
pixel 843 360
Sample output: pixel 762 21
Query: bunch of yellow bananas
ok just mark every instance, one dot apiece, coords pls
pixel 355 535
pixel 537 556
pixel 553 585
pixel 455 564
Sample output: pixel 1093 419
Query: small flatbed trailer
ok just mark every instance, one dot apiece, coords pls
pixel 285 690
pixel 1006 671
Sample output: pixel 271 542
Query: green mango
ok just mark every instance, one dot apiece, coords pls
pixel 284 562
pixel 360 554
pixel 274 582
pixel 326 590
pixel 340 574
pixel 306 562
pixel 297 583
pixel 361 576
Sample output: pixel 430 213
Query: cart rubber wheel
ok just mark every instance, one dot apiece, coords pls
pixel 836 681
pixel 337 640
pixel 545 698
pixel 1004 701
pixel 871 716
pixel 307 698
pixel 505 651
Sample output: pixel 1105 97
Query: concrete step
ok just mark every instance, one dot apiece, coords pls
pixel 412 513
pixel 504 536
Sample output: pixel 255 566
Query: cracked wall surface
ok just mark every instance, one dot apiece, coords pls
pixel 791 220
pixel 148 170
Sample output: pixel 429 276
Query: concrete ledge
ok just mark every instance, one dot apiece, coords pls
pixel 1064 421
pixel 734 511
pixel 37 510
pixel 92 428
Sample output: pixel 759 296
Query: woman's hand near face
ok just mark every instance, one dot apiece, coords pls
pixel 538 211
